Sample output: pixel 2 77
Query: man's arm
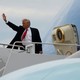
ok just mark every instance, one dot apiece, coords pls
pixel 4 17
pixel 39 40
pixel 13 26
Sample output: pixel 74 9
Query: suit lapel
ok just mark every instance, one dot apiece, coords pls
pixel 32 33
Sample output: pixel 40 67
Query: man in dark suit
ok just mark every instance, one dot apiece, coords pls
pixel 33 34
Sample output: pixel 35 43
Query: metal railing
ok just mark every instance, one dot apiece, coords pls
pixel 33 43
pixel 5 45
pixel 13 45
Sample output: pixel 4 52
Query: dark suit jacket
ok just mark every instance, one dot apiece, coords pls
pixel 20 30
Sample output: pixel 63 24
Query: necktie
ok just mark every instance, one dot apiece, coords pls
pixel 24 34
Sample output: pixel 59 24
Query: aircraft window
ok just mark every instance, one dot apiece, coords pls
pixel 60 35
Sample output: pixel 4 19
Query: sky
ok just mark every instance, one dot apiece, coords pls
pixel 40 12
pixel 43 14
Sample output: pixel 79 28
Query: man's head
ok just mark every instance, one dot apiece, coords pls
pixel 26 23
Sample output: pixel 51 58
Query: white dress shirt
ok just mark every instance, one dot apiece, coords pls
pixel 28 37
